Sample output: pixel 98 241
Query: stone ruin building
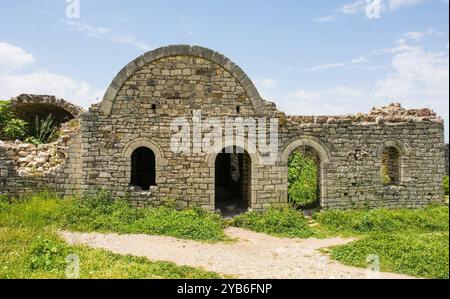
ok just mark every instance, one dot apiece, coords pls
pixel 123 144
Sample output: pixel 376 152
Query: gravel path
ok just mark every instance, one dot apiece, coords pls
pixel 254 255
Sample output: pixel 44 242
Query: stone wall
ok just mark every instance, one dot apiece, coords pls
pixel 351 175
pixel 153 90
pixel 56 166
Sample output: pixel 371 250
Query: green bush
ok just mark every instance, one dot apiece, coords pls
pixel 5 112
pixel 421 255
pixel 10 127
pixel 15 129
pixel 445 185
pixel 430 219
pixel 285 222
pixel 302 179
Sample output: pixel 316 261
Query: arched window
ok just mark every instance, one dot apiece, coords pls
pixel 391 166
pixel 143 168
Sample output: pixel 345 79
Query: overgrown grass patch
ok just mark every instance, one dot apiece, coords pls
pixel 281 222
pixel 103 214
pixel 421 255
pixel 413 242
pixel 39 253
pixel 430 219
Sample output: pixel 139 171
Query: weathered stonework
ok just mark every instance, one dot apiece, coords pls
pixel 153 90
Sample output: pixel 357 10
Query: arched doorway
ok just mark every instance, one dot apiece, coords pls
pixel 233 173
pixel 304 178
pixel 143 168
pixel 319 156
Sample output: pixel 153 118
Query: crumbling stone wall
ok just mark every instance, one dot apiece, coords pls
pixel 353 148
pixel 168 83
pixel 55 166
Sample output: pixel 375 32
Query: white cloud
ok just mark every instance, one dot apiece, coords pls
pixel 13 58
pixel 353 8
pixel 396 4
pixel 40 82
pixel 326 19
pixel 417 79
pixel 107 34
pixel 267 83
pixel 420 35
pixel 325 67
pixel 360 6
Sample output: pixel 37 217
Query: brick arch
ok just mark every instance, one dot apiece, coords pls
pixel 255 158
pixel 160 160
pixel 317 145
pixel 324 155
pixel 195 51
pixel 402 151
pixel 28 106
pixel 402 148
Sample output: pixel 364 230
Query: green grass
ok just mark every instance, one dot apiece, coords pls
pixel 431 219
pixel 100 213
pixel 31 248
pixel 420 255
pixel 38 253
pixel 277 222
pixel 413 242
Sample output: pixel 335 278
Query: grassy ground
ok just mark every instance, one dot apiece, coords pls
pixel 100 213
pixel 40 253
pixel 31 248
pixel 413 242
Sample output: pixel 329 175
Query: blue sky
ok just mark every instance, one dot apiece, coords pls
pixel 309 57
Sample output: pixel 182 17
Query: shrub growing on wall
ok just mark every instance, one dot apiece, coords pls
pixel 302 179
pixel 10 127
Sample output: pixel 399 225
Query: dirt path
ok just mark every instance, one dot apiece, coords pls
pixel 253 256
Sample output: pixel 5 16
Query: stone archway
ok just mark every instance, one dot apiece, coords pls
pixel 323 155
pixel 391 153
pixel 232 185
pixel 29 106
pixel 159 163
pixel 254 161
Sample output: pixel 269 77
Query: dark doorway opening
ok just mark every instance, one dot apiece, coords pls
pixel 233 182
pixel 143 168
